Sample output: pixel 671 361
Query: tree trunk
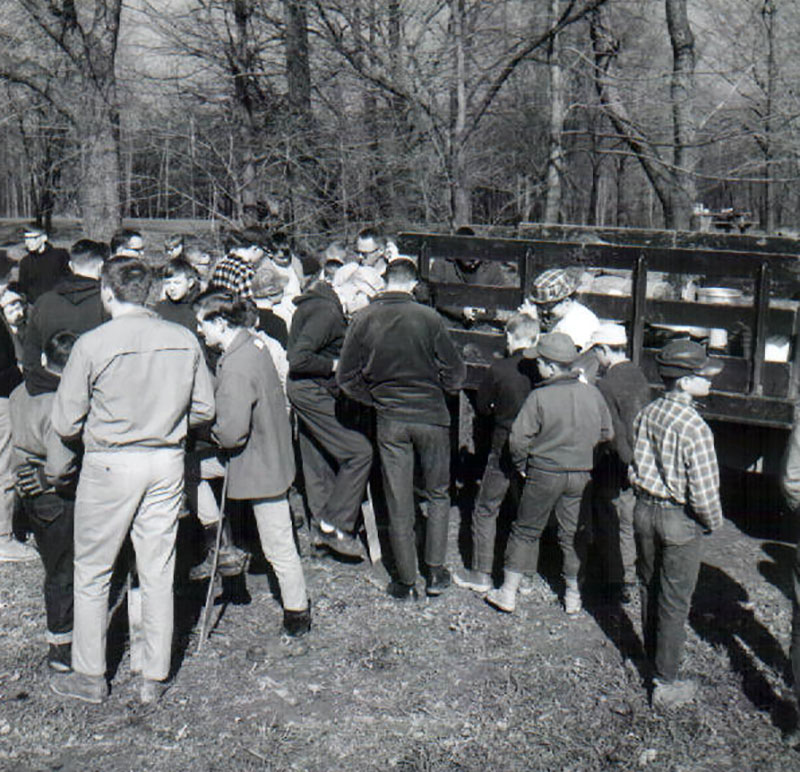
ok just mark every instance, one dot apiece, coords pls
pixel 682 190
pixel 460 188
pixel 298 71
pixel 99 187
pixel 552 208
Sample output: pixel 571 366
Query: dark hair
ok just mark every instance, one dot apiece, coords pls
pixel 402 270
pixel 179 266
pixel 128 278
pixel 371 232
pixel 671 381
pixel 232 309
pixel 122 239
pixel 87 251
pixel 280 240
pixel 58 347
pixel 464 230
pixel 13 287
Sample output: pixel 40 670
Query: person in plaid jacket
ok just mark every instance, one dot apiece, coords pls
pixel 675 477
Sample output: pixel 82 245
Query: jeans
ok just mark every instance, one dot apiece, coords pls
pixel 615 501
pixel 119 491
pixel 51 518
pixel 496 480
pixel 276 534
pixel 543 492
pixel 336 458
pixel 669 544
pixel 398 442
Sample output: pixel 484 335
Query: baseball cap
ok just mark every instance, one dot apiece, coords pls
pixel 685 357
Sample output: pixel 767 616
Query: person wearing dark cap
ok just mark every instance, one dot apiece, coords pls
pixel 43 266
pixel 552 445
pixel 675 478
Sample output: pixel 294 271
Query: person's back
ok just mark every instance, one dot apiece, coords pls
pixel 128 361
pixel 412 360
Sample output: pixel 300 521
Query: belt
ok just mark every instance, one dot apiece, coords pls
pixel 657 501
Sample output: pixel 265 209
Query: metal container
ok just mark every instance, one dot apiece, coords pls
pixel 718 296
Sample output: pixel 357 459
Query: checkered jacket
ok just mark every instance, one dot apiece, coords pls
pixel 234 275
pixel 674 457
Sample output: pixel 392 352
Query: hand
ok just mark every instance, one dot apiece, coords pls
pixel 30 481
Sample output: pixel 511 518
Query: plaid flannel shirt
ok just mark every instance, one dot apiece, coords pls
pixel 674 457
pixel 234 275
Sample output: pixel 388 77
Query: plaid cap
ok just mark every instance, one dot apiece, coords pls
pixel 553 285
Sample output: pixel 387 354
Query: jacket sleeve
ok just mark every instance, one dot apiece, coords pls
pixel 452 370
pixel 350 373
pixel 71 403
pixel 235 396
pixel 201 410
pixel 311 337
pixel 790 468
pixel 523 432
pixel 606 422
pixel 486 396
pixel 61 465
pixel 10 375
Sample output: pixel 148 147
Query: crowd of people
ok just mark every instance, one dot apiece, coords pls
pixel 130 394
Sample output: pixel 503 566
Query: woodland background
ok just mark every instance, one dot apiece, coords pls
pixel 320 114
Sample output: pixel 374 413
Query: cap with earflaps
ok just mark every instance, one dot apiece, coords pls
pixel 555 346
pixel 685 357
pixel 553 285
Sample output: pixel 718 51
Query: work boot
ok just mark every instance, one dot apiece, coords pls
pixel 402 591
pixel 13 551
pixel 438 580
pixel 673 694
pixel 232 561
pixel 80 686
pixel 504 597
pixel 59 657
pixel 296 623
pixel 572 597
pixel 477 581
pixel 340 542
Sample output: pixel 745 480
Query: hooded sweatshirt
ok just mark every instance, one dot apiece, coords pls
pixel 75 305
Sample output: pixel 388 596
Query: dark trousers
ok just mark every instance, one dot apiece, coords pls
pixel 795 645
pixel 545 491
pixel 614 502
pixel 497 479
pixel 337 457
pixel 398 442
pixel 52 520
pixel 669 545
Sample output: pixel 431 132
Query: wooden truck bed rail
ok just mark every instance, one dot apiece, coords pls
pixel 750 390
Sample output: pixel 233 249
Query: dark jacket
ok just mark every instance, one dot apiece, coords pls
pixel 316 335
pixel 626 391
pixel 398 356
pixel 252 422
pixel 273 325
pixel 41 272
pixel 559 425
pixel 10 374
pixel 180 313
pixel 505 387
pixel 74 304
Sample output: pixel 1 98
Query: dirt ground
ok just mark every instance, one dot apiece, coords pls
pixel 442 684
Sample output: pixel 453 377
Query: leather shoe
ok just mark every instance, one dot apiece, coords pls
pixel 438 580
pixel 401 591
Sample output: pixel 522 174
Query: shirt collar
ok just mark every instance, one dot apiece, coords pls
pixel 679 396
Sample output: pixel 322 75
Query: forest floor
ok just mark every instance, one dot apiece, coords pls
pixel 445 683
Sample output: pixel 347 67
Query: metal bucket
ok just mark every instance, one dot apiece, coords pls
pixel 718 296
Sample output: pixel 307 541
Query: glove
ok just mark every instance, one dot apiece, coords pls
pixel 30 481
